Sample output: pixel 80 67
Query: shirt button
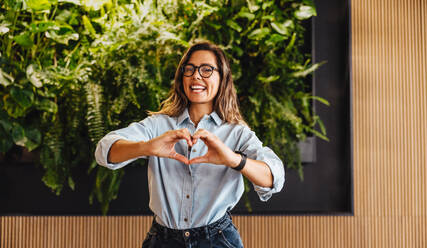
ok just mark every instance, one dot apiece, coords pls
pixel 185 219
pixel 194 150
pixel 188 196
pixel 187 234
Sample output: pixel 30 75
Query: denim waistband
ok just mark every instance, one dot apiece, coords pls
pixel 198 232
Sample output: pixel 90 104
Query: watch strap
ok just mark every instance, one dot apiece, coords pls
pixel 242 162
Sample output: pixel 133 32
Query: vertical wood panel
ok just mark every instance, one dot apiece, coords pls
pixel 389 64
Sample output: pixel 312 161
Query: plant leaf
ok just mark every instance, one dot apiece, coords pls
pixel 305 12
pixel 5 143
pixel 34 76
pixel 76 2
pixel 38 5
pixel 307 71
pixel 94 4
pixel 12 107
pixel 268 79
pixel 4 28
pixel 23 97
pixel 47 105
pixel 5 79
pixel 283 28
pixel 232 24
pixel 24 40
pixel 252 5
pixel 18 135
pixel 245 14
pixel 259 34
pixel 7 126
pixel 63 39
pixel 71 183
pixel 291 43
pixel 33 137
pixel 42 26
pixel 88 26
pixel 320 99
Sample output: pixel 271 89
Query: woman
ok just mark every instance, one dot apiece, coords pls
pixel 198 147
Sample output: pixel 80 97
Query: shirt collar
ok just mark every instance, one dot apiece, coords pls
pixel 216 118
pixel 182 117
pixel 185 115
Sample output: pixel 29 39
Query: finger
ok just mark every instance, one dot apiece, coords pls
pixel 198 160
pixel 194 140
pixel 183 134
pixel 201 133
pixel 180 158
pixel 188 135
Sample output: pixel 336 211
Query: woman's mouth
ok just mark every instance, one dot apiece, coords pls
pixel 197 88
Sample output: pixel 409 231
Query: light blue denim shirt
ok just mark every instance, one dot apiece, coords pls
pixel 183 196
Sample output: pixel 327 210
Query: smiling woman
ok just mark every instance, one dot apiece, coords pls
pixel 204 179
pixel 201 88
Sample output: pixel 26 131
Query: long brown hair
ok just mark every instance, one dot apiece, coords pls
pixel 225 102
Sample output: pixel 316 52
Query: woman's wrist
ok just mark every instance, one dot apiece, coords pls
pixel 235 160
pixel 144 148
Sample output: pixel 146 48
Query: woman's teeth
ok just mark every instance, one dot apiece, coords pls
pixel 197 88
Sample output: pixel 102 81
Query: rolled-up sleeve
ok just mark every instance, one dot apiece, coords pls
pixel 253 147
pixel 137 131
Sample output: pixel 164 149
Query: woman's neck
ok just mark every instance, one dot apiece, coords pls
pixel 197 111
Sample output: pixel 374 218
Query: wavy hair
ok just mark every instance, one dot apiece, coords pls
pixel 225 102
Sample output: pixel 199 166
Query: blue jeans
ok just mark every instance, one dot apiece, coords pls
pixel 221 233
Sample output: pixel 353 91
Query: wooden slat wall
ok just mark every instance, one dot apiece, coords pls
pixel 389 54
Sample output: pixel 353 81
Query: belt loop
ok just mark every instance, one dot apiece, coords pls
pixel 229 214
pixel 207 232
pixel 165 233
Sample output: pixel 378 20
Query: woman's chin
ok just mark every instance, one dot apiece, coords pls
pixel 195 100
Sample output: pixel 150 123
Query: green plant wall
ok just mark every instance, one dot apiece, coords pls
pixel 73 70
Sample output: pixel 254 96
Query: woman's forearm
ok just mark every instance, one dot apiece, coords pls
pixel 123 150
pixel 258 172
pixel 255 171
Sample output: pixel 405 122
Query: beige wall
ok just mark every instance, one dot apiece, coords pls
pixel 389 55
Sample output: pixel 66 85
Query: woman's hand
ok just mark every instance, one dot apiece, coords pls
pixel 164 145
pixel 218 152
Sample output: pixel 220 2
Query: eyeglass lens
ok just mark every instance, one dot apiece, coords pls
pixel 204 70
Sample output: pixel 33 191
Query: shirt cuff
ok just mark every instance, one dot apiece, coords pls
pixel 278 173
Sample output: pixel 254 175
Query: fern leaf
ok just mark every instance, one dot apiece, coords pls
pixel 94 115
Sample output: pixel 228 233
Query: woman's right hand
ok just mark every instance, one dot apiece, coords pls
pixel 164 145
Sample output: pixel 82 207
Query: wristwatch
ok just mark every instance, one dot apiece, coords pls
pixel 242 162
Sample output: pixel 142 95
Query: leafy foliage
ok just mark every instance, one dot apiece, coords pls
pixel 71 70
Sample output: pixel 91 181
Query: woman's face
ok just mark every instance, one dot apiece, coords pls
pixel 198 89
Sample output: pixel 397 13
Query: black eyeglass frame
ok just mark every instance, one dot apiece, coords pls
pixel 198 69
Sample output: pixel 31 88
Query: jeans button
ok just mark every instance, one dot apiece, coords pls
pixel 187 234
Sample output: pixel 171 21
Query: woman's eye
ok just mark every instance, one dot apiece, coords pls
pixel 188 69
pixel 206 69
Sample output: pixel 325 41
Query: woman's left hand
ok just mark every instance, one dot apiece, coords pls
pixel 218 152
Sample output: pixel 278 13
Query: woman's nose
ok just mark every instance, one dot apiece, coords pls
pixel 196 74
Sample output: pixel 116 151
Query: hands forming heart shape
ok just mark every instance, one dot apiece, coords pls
pixel 218 152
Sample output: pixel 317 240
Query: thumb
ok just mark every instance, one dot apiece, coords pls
pixel 180 158
pixel 198 160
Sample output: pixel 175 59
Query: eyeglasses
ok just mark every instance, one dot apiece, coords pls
pixel 205 70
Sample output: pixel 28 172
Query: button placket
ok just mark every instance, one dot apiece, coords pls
pixel 187 189
pixel 187 203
